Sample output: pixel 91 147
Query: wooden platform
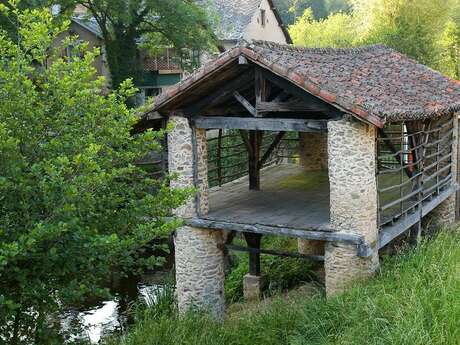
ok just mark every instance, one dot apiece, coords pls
pixel 289 197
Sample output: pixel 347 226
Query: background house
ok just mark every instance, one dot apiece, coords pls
pixel 232 21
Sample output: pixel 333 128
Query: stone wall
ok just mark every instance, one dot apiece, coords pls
pixel 313 151
pixel 199 257
pixel 312 157
pixel 353 200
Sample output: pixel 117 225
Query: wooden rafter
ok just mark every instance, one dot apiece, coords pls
pixel 222 94
pixel 271 148
pixel 245 103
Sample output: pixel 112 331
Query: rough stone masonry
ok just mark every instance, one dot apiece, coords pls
pixel 353 200
pixel 199 260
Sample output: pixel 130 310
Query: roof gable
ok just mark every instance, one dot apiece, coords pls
pixel 230 18
pixel 374 83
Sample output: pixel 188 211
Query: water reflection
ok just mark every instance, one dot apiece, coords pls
pixel 112 316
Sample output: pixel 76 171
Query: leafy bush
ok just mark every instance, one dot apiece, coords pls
pixel 74 208
pixel 280 273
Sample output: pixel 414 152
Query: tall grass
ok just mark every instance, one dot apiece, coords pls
pixel 416 300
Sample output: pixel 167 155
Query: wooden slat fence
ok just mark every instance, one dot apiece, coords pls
pixel 414 161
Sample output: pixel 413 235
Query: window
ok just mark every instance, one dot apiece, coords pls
pixel 262 17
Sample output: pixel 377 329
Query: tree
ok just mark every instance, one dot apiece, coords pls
pixel 124 24
pixel 411 27
pixel 74 207
pixel 426 30
pixel 337 30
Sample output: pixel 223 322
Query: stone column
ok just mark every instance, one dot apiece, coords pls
pixel 353 200
pixel 445 213
pixel 199 260
pixel 313 151
pixel 313 157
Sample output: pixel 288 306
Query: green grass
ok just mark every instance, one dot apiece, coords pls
pixel 416 300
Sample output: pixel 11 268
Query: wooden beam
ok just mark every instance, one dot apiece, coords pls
pixel 288 107
pixel 262 90
pixel 319 233
pixel 253 160
pixel 317 258
pixel 263 124
pixel 245 137
pixel 221 94
pixel 389 233
pixel 287 86
pixel 245 103
pixel 270 149
pixel 253 240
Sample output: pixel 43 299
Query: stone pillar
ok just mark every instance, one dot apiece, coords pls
pixel 199 260
pixel 252 287
pixel 313 157
pixel 445 213
pixel 313 151
pixel 353 200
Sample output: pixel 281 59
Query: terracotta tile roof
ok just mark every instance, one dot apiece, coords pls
pixel 374 83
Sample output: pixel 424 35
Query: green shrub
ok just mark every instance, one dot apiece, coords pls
pixel 280 273
pixel 74 207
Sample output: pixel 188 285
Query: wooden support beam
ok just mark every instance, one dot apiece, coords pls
pixel 253 160
pixel 245 103
pixel 389 233
pixel 287 86
pixel 272 147
pixel 245 137
pixel 319 233
pixel 316 258
pixel 253 241
pixel 293 106
pixel 220 95
pixel 262 90
pixel 263 124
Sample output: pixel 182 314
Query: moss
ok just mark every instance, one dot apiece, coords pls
pixel 304 180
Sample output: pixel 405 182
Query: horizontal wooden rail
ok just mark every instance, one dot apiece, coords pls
pixel 313 232
pixel 318 258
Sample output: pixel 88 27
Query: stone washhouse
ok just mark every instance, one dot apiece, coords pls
pixel 379 129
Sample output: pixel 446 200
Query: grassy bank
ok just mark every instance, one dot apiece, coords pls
pixel 416 300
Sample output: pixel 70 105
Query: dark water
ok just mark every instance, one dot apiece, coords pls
pixel 112 316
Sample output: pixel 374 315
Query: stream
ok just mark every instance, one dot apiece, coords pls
pixel 93 322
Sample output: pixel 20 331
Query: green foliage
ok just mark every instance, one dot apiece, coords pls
pixel 128 25
pixel 74 207
pixel 450 49
pixel 414 301
pixel 291 10
pixel 426 30
pixel 337 30
pixel 279 273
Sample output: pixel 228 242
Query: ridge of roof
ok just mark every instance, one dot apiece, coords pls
pixel 319 50
pixel 89 23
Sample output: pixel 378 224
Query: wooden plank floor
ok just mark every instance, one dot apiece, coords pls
pixel 288 197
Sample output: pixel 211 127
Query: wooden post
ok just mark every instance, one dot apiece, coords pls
pixel 253 281
pixel 253 241
pixel 219 157
pixel 253 159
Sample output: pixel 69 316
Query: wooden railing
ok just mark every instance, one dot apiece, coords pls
pixel 414 164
